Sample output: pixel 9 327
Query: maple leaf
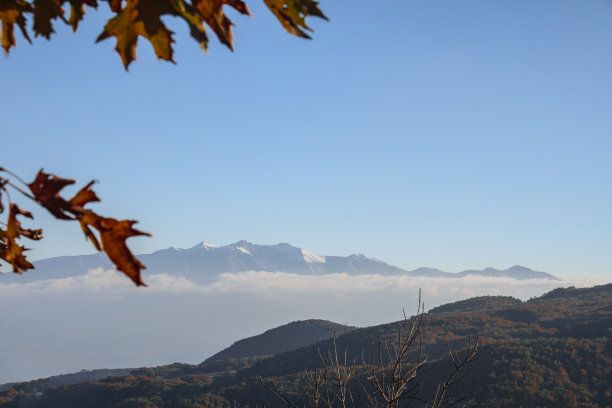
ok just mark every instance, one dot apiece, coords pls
pixel 10 251
pixel 194 20
pixel 77 11
pixel 85 217
pixel 141 18
pixel 292 14
pixel 84 196
pixel 11 13
pixel 211 11
pixel 44 12
pixel 113 234
pixel 46 188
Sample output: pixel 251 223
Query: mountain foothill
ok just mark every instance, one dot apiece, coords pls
pixel 549 351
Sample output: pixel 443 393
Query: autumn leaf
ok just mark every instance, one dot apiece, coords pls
pixel 11 13
pixel 194 20
pixel 77 11
pixel 292 14
pixel 84 196
pixel 89 218
pixel 85 217
pixel 44 12
pixel 10 250
pixel 211 11
pixel 141 18
pixel 46 188
pixel 112 233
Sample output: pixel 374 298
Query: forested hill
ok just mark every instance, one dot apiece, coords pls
pixel 552 351
pixel 288 337
pixel 478 304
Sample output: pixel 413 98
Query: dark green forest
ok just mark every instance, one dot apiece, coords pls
pixel 551 351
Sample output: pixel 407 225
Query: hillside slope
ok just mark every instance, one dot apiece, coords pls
pixel 284 338
pixel 552 351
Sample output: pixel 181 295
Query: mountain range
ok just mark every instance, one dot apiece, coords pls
pixel 204 262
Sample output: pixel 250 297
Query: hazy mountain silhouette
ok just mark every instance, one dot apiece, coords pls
pixel 204 262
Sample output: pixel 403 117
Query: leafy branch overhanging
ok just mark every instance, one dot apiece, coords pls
pixel 106 234
pixel 143 18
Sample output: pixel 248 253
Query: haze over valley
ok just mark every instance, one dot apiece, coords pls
pixel 92 317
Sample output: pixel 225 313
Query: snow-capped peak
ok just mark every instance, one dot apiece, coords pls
pixel 204 245
pixel 312 258
pixel 244 250
pixel 362 256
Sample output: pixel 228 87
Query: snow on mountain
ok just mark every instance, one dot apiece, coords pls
pixel 205 261
pixel 312 258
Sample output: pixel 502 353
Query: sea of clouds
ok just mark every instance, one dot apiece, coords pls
pixel 101 320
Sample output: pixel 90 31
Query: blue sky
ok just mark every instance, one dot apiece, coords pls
pixel 450 134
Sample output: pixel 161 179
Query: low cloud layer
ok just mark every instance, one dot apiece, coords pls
pixel 288 285
pixel 101 320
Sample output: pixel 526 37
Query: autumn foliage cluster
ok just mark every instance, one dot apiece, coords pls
pixel 143 18
pixel 106 234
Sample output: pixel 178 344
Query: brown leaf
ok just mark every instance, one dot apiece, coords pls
pixel 10 251
pixel 87 219
pixel 11 13
pixel 292 14
pixel 113 235
pixel 84 196
pixel 77 11
pixel 46 188
pixel 211 11
pixel 141 18
pixel 194 20
pixel 44 12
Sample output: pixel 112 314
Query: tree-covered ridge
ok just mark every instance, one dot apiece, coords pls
pixel 552 351
pixel 477 304
pixel 288 337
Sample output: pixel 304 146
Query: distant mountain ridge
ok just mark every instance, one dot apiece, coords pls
pixel 204 262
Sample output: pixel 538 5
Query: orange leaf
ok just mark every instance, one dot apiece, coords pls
pixel 113 234
pixel 141 18
pixel 84 196
pixel 77 11
pixel 212 13
pixel 87 219
pixel 11 13
pixel 10 251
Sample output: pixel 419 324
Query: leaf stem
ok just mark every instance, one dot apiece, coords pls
pixel 25 193
pixel 14 175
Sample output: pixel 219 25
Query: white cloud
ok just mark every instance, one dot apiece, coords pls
pixel 177 319
pixel 287 285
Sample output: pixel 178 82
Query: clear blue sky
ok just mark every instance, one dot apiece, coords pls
pixel 450 134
